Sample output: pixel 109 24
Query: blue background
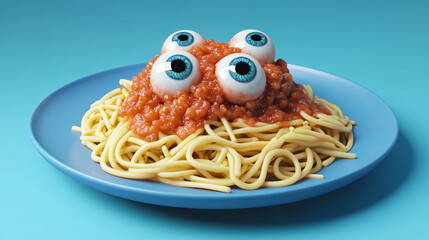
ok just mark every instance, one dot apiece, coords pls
pixel 381 45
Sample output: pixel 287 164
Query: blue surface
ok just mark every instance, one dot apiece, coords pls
pixel 380 45
pixel 375 134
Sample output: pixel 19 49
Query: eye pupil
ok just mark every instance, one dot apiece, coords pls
pixel 242 68
pixel 183 37
pixel 178 66
pixel 255 37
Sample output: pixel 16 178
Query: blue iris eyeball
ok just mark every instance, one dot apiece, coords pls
pixel 256 44
pixel 241 78
pixel 244 69
pixel 174 71
pixel 256 39
pixel 181 67
pixel 182 40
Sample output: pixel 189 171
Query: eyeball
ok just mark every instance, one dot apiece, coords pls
pixel 174 71
pixel 182 40
pixel 256 44
pixel 241 77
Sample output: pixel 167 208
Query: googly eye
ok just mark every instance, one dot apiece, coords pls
pixel 241 77
pixel 182 40
pixel 256 44
pixel 174 71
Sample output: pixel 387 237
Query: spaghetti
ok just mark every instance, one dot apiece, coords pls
pixel 223 153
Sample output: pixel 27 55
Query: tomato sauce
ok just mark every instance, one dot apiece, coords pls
pixel 185 112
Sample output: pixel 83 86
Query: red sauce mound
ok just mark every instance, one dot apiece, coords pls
pixel 184 113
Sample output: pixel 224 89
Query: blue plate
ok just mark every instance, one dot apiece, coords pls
pixel 375 134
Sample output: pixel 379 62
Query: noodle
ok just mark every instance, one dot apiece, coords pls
pixel 223 154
